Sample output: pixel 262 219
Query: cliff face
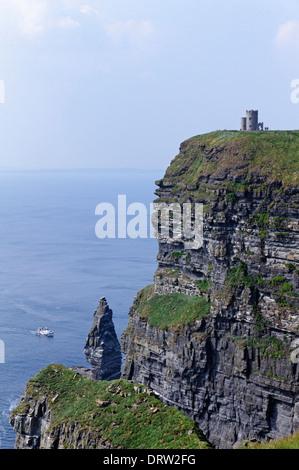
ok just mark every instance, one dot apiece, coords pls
pixel 33 426
pixel 226 360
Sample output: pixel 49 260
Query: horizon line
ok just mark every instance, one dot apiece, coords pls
pixel 3 168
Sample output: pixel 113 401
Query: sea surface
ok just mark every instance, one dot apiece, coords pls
pixel 54 269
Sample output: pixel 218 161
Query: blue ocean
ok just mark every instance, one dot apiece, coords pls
pixel 54 269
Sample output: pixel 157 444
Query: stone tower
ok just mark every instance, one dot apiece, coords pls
pixel 251 122
pixel 243 124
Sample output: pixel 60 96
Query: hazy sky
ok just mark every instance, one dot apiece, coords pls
pixel 121 83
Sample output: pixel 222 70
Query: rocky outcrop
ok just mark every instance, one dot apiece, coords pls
pixel 30 424
pixel 61 409
pixel 33 421
pixel 102 348
pixel 34 429
pixel 232 369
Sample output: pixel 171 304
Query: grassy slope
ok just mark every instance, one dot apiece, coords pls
pixel 290 442
pixel 164 311
pixel 129 419
pixel 274 155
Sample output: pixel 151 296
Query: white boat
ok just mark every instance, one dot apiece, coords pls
pixel 44 332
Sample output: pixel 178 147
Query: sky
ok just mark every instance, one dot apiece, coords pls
pixel 121 83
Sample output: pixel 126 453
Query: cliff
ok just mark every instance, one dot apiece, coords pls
pixel 214 334
pixel 61 409
pixel 215 337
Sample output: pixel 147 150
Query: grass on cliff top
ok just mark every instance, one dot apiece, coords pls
pixel 170 310
pixel 274 155
pixel 289 442
pixel 114 412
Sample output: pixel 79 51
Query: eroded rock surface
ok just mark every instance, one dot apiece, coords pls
pixel 102 348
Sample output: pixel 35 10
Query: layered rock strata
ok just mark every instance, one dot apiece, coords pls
pixel 102 348
pixel 232 370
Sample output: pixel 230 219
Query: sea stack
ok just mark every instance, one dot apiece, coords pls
pixel 102 348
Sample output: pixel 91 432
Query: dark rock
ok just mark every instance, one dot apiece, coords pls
pixel 102 348
pixel 85 371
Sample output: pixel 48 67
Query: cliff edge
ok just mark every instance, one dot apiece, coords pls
pixel 215 333
pixel 62 409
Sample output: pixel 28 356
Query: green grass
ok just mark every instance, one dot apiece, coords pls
pixel 289 442
pixel 171 310
pixel 290 267
pixel 204 284
pixel 273 155
pixel 276 281
pixel 177 255
pixel 269 346
pixel 129 419
pixel 235 276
